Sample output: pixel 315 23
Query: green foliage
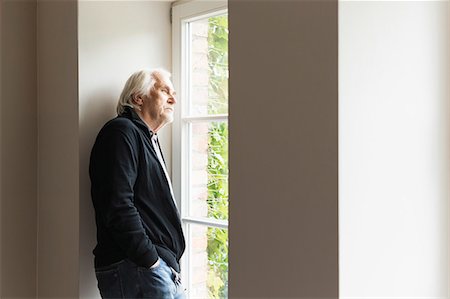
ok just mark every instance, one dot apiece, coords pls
pixel 218 156
pixel 218 64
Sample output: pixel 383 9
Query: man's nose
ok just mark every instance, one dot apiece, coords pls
pixel 172 99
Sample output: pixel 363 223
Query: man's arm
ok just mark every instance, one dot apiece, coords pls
pixel 117 163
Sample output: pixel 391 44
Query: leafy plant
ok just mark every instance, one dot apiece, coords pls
pixel 217 247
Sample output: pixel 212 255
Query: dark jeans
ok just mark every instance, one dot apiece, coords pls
pixel 125 279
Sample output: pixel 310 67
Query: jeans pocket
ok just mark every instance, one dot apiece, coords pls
pixel 153 268
pixel 109 283
pixel 157 282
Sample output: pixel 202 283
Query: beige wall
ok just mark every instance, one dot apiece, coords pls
pixel 58 187
pixel 283 149
pixel 18 139
pixel 130 35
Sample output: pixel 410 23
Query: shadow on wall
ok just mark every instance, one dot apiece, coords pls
pixel 100 107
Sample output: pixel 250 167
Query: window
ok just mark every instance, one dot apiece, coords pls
pixel 200 143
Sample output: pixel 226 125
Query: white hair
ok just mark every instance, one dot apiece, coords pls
pixel 139 83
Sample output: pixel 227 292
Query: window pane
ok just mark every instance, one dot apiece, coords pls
pixel 209 66
pixel 209 170
pixel 209 262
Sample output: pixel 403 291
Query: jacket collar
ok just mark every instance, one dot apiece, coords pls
pixel 134 117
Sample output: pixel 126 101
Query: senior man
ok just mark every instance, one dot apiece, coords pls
pixel 139 235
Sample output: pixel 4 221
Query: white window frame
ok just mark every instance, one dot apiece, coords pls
pixel 184 12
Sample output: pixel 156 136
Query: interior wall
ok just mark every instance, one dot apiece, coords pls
pixel 18 140
pixel 129 36
pixel 394 149
pixel 283 149
pixel 58 143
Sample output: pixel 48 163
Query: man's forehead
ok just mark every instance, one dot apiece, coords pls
pixel 167 83
pixel 163 81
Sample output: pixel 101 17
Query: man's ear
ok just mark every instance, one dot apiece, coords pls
pixel 137 99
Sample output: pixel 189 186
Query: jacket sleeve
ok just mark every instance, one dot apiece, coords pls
pixel 118 161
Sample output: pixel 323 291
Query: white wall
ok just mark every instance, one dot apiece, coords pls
pixel 393 149
pixel 115 39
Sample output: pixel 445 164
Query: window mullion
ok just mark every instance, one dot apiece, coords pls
pixel 218 117
pixel 207 221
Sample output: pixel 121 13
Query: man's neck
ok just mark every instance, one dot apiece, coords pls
pixel 151 124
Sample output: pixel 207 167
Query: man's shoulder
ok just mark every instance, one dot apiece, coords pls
pixel 119 128
pixel 119 124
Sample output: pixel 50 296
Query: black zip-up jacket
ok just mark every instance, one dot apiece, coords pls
pixel 135 214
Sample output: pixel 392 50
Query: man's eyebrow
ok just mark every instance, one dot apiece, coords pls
pixel 168 88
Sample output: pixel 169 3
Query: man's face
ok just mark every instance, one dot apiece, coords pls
pixel 160 102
